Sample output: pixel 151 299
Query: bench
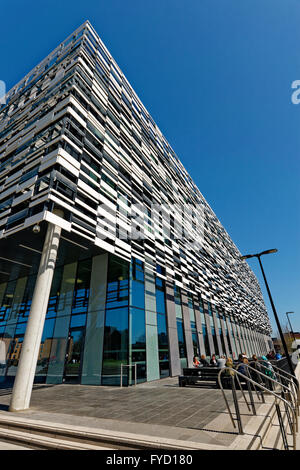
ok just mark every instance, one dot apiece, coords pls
pixel 193 376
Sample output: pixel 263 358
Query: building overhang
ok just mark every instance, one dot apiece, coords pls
pixel 20 253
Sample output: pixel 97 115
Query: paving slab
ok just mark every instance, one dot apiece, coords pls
pixel 157 409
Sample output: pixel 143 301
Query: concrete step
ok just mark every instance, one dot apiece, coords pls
pixel 256 428
pixel 273 439
pixel 36 441
pixel 49 435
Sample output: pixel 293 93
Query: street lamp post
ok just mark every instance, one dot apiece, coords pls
pixel 287 313
pixel 258 255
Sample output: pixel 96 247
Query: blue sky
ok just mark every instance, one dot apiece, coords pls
pixel 216 77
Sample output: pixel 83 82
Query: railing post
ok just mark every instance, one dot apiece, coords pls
pixel 236 405
pixel 288 404
pixel 282 430
pixel 251 398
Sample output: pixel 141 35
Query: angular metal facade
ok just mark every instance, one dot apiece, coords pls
pixel 75 136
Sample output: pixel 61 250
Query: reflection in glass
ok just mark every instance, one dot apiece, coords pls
pixel 138 343
pixel 45 351
pixel 206 341
pixel 137 322
pixel 73 362
pixel 163 343
pixel 181 343
pixel 60 336
pixel 115 350
pixel 195 339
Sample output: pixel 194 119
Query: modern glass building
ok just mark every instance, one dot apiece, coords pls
pixel 145 273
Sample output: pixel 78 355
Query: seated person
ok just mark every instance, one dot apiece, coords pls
pixel 213 361
pixel 203 361
pixel 241 366
pixel 196 361
pixel 229 363
pixel 221 362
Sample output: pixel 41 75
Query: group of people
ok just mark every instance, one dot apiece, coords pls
pixel 274 355
pixel 203 362
pixel 240 365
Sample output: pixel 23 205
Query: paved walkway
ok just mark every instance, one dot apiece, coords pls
pixel 158 408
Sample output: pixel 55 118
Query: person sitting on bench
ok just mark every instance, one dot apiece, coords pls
pixel 196 362
pixel 213 361
pixel 221 362
pixel 203 361
pixel 230 371
pixel 241 366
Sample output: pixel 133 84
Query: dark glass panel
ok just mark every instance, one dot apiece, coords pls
pixel 222 341
pixel 27 298
pixel 177 296
pixel 163 346
pixel 160 296
pixel 205 339
pixel 137 287
pixel 181 343
pixel 73 362
pixel 213 332
pixel 195 343
pixel 7 301
pixel 138 343
pixel 45 350
pixel 229 343
pixel 82 287
pixel 138 329
pixel 78 320
pixel 54 292
pixel 117 283
pixel 115 345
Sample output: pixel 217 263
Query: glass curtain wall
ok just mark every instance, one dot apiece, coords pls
pixel 180 331
pixel 115 348
pixel 163 343
pixel 76 334
pixel 124 322
pixel 219 316
pixel 234 345
pixel 195 340
pixel 204 329
pixel 137 322
pixel 227 334
pixel 212 327
pixel 236 336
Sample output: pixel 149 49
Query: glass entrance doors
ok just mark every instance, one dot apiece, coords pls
pixel 73 363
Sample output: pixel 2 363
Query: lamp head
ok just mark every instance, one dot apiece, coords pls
pixel 274 250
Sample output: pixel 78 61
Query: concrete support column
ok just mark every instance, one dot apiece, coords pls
pixel 22 389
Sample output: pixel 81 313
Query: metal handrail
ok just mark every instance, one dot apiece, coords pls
pixel 135 371
pixel 277 397
pixel 293 381
pixel 283 387
pixel 293 378
pixel 280 384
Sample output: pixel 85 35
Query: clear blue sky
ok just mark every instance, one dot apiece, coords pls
pixel 216 77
